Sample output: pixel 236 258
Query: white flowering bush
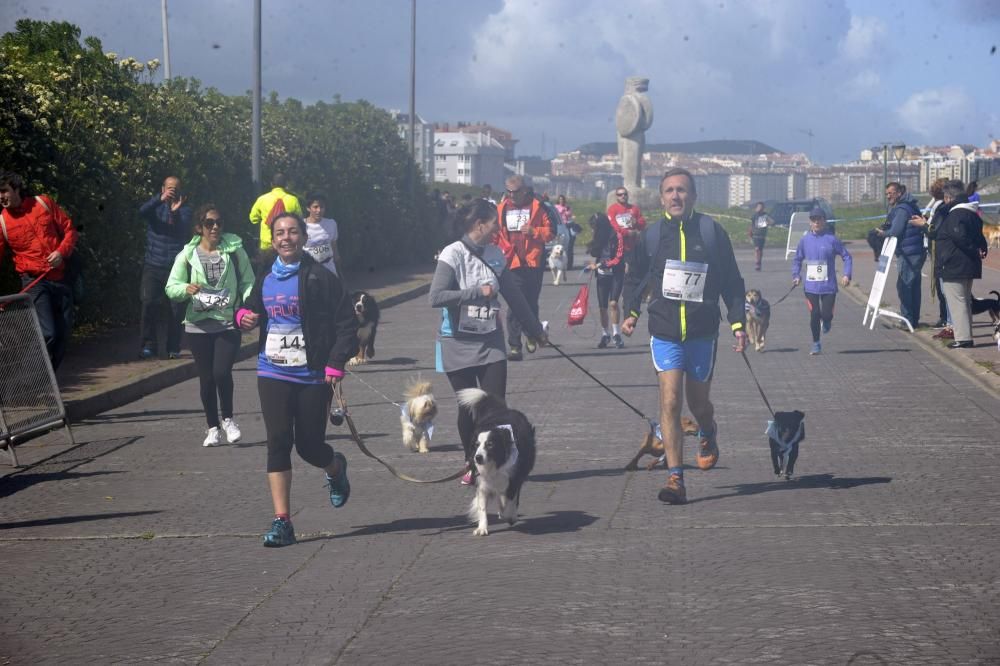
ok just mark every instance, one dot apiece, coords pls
pixel 97 133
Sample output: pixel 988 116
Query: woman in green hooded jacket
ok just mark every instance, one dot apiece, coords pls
pixel 213 275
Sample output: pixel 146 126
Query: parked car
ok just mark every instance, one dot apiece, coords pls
pixel 781 211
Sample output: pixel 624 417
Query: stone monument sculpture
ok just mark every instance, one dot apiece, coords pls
pixel 633 117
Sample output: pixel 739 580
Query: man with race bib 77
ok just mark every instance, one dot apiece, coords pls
pixel 686 260
pixel 814 260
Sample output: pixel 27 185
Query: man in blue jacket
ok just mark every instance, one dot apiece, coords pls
pixel 168 229
pixel 910 251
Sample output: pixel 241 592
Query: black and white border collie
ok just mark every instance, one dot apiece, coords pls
pixel 367 313
pixel 504 455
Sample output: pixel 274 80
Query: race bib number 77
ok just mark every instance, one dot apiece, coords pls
pixel 684 280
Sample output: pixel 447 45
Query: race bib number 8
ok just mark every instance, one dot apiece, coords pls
pixel 477 319
pixel 286 345
pixel 684 280
pixel 517 219
pixel 210 299
pixel 816 271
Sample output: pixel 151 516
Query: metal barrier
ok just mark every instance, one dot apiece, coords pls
pixel 29 395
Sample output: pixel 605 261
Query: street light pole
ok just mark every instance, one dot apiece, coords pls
pixel 255 119
pixel 166 41
pixel 413 79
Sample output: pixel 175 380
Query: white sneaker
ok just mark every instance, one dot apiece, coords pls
pixel 212 437
pixel 233 433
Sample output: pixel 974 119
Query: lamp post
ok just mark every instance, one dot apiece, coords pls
pixel 898 151
pixel 255 136
pixel 166 41
pixel 884 159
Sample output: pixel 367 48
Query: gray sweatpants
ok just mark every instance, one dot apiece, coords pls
pixel 958 295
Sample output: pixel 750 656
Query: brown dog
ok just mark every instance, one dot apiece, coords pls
pixel 758 318
pixel 653 445
pixel 992 233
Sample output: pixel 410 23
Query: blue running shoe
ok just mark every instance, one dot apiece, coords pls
pixel 827 325
pixel 281 534
pixel 816 349
pixel 340 488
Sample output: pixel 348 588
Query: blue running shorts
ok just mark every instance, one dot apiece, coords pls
pixel 695 357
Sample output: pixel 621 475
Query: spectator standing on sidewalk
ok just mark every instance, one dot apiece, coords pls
pixel 930 220
pixel 212 276
pixel 323 234
pixel 307 332
pixel 959 252
pixel 910 252
pixel 817 252
pixel 687 261
pixel 759 223
pixel 272 204
pixel 168 229
pixel 608 249
pixel 41 237
pixel 471 274
pixel 525 228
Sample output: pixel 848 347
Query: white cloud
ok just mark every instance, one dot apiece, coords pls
pixel 863 37
pixel 937 114
pixel 865 83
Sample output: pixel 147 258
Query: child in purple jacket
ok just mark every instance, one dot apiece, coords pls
pixel 816 254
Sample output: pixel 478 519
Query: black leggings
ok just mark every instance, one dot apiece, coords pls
pixel 295 413
pixel 214 356
pixel 609 287
pixel 529 281
pixel 492 378
pixel 820 308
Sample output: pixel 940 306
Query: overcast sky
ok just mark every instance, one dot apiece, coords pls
pixel 851 73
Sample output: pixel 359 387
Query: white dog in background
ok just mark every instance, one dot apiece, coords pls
pixel 418 415
pixel 557 264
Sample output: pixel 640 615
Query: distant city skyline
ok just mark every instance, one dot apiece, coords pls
pixel 826 78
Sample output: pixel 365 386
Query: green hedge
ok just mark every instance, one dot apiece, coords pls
pixel 96 133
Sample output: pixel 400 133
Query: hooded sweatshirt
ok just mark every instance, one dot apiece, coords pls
pixel 818 252
pixel 237 279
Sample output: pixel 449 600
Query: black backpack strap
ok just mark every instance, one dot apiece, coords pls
pixel 707 228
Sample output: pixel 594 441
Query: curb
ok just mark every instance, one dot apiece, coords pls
pixel 122 393
pixel 968 367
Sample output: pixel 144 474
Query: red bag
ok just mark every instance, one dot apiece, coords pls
pixel 578 311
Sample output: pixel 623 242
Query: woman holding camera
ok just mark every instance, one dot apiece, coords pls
pixel 307 333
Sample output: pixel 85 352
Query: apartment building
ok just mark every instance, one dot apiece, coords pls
pixel 469 159
pixel 425 141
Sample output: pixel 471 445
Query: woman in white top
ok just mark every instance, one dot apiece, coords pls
pixel 323 234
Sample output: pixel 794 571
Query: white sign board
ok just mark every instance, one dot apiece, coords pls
pixel 798 226
pixel 873 307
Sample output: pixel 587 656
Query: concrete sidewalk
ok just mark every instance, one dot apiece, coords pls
pixel 981 362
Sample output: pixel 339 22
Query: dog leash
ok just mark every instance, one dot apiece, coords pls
pixel 743 353
pixel 789 293
pixel 28 288
pixel 604 386
pixel 387 398
pixel 339 395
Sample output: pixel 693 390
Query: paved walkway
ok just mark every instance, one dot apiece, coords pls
pixel 139 545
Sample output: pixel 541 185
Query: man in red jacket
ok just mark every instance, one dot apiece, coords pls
pixel 525 228
pixel 627 221
pixel 40 237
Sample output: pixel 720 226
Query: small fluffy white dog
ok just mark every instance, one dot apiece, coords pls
pixel 557 264
pixel 418 415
